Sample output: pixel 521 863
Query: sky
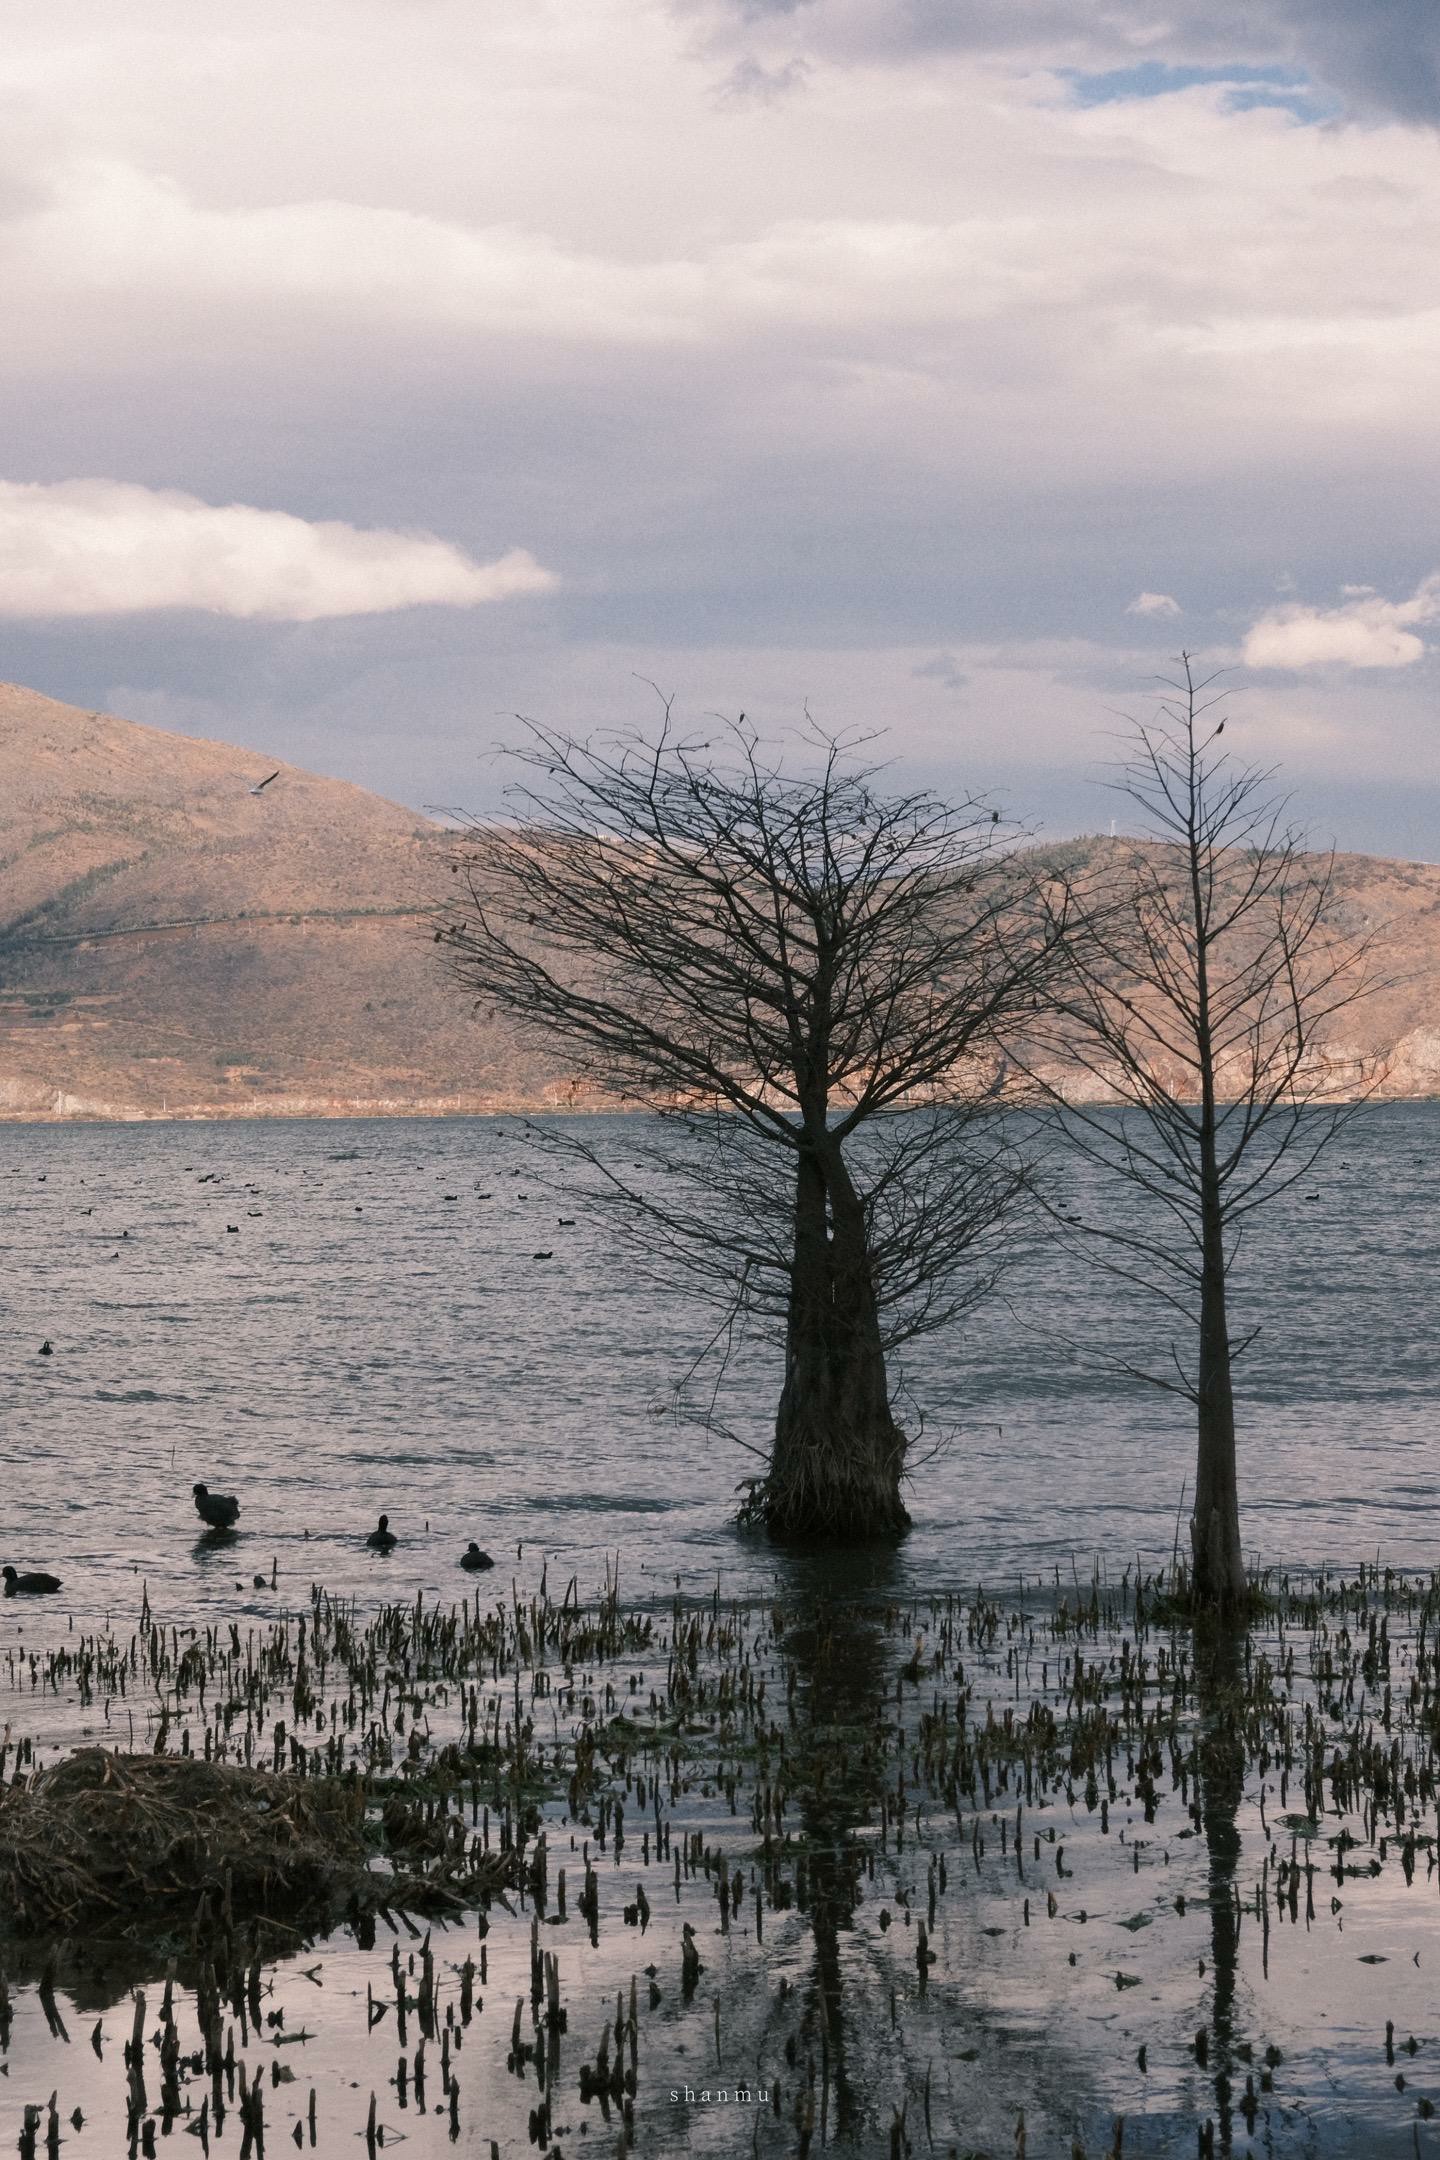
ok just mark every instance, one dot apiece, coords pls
pixel 376 370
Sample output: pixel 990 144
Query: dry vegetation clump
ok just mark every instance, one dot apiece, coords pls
pixel 114 1843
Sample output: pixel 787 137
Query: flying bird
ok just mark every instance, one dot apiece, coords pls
pixel 266 782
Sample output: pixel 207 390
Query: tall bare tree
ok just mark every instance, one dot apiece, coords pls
pixel 1203 996
pixel 812 981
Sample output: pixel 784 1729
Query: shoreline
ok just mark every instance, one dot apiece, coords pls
pixel 301 1109
pixel 307 1109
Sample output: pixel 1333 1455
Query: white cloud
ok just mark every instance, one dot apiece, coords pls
pixel 1153 603
pixel 116 233
pixel 1317 287
pixel 1367 632
pixel 911 352
pixel 105 547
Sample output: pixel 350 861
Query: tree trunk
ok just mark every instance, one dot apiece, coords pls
pixel 1218 1562
pixel 838 1456
pixel 1218 1565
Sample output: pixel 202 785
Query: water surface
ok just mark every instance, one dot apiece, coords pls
pixel 376 1332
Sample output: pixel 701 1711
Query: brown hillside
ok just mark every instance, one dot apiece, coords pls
pixel 1395 1028
pixel 171 943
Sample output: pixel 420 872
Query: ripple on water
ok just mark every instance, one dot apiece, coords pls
pixel 290 1361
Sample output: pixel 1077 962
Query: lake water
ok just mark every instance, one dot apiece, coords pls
pixel 379 1331
pixel 375 1334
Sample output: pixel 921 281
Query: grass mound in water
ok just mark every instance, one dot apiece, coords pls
pixel 118 1844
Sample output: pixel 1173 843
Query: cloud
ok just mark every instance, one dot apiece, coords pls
pixel 104 547
pixel 929 357
pixel 1367 632
pixel 1153 603
pixel 751 83
pixel 120 233
pixel 944 669
pixel 1381 56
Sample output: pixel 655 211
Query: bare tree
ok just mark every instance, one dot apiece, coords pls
pixel 1203 997
pixel 812 982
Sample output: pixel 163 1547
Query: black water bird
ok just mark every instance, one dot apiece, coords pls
pixel 474 1559
pixel 45 1350
pixel 36 1585
pixel 382 1538
pixel 218 1509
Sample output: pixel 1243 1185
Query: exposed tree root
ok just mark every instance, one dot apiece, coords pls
pixel 817 1491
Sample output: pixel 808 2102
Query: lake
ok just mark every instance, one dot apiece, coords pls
pixel 379 1331
pixel 375 1333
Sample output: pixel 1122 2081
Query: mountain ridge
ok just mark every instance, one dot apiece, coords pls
pixel 173 944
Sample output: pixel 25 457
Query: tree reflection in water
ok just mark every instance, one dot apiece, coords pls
pixel 1220 1683
pixel 843 1659
pixel 842 1811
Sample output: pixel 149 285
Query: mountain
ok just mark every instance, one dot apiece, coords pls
pixel 172 942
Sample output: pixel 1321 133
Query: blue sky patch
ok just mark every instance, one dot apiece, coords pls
pixel 1307 105
pixel 1249 86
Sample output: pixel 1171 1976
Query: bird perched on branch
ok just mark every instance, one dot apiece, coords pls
pixel 382 1538
pixel 217 1509
pixel 36 1585
pixel 474 1559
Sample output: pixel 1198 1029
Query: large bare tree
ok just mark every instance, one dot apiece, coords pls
pixel 1204 997
pixel 812 980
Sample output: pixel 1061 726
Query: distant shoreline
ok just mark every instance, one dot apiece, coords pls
pixel 299 1110
pixel 431 1109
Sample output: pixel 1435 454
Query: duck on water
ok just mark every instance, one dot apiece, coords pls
pixel 37 1584
pixel 382 1538
pixel 474 1559
pixel 217 1510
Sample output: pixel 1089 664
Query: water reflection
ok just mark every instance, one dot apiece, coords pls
pixel 1220 1648
pixel 843 1661
pixel 842 1811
